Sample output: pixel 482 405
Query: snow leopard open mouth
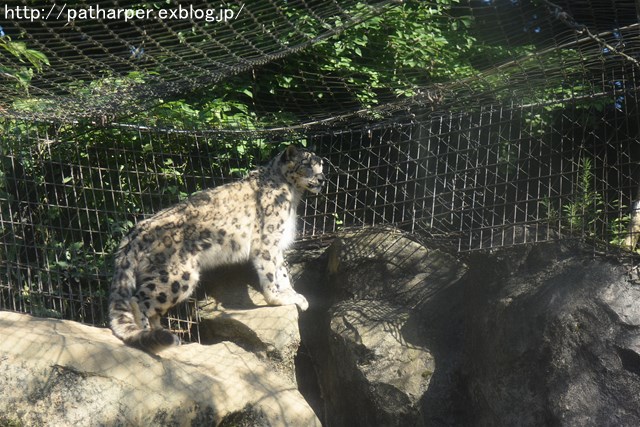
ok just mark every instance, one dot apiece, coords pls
pixel 316 188
pixel 316 185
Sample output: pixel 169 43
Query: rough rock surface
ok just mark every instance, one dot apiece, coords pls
pixel 61 373
pixel 231 308
pixel 553 338
pixel 398 334
pixel 369 341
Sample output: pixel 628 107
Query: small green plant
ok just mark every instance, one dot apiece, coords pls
pixel 621 229
pixel 587 207
pixel 551 213
pixel 584 211
pixel 619 226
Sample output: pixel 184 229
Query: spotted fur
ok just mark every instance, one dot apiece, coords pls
pixel 158 264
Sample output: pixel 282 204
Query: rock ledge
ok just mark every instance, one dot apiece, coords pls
pixel 62 373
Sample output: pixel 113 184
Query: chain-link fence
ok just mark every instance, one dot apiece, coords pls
pixel 533 147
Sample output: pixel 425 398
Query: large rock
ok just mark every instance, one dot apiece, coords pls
pixel 553 338
pixel 232 309
pixel 396 334
pixel 373 355
pixel 371 361
pixel 61 373
pixel 400 334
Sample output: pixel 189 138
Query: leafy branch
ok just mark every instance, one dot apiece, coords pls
pixel 22 75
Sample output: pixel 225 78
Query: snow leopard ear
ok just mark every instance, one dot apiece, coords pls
pixel 290 153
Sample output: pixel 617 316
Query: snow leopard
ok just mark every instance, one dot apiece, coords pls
pixel 159 262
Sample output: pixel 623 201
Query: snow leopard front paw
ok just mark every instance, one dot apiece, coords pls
pixel 289 297
pixel 301 302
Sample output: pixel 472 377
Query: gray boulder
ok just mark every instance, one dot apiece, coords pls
pixel 365 330
pixel 553 337
pixel 400 334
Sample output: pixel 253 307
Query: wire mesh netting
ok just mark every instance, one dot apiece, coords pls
pixel 511 122
pixel 105 64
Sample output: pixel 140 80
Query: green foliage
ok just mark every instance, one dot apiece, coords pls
pixel 226 106
pixel 69 195
pixel 587 207
pixel 619 226
pixel 391 54
pixel 422 43
pixel 585 212
pixel 34 61
pixel 76 190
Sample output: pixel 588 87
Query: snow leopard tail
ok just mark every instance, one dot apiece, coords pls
pixel 126 317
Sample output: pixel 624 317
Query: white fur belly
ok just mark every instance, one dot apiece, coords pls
pixel 218 255
pixel 289 233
